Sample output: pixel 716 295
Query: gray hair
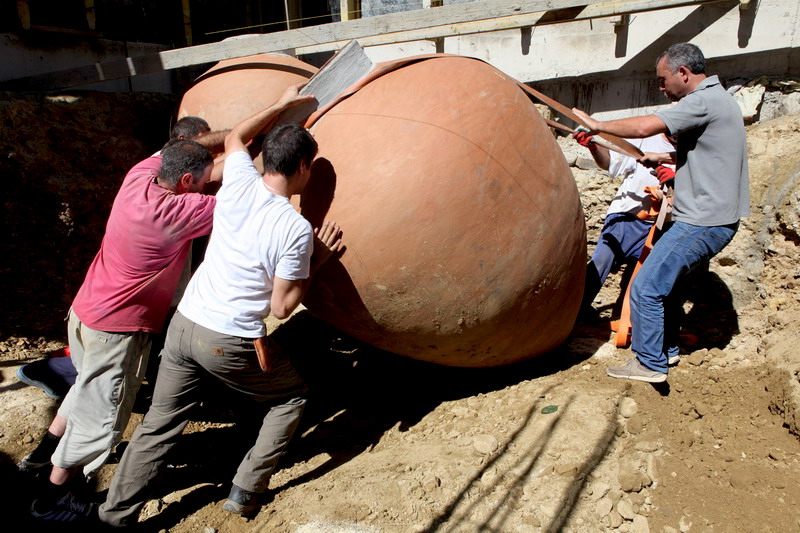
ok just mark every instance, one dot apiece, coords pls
pixel 180 157
pixel 684 55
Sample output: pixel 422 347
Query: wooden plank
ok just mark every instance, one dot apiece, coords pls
pixel 293 12
pixel 438 41
pixel 348 66
pixel 91 15
pixel 450 20
pixel 592 11
pixel 187 21
pixel 349 9
pixel 24 14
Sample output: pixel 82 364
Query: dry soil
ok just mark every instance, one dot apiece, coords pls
pixel 391 445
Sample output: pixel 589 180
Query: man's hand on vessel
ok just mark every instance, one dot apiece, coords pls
pixel 328 242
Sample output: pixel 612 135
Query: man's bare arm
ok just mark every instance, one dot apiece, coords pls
pixel 653 159
pixel 287 294
pixel 632 127
pixel 243 132
pixel 214 141
pixel 600 155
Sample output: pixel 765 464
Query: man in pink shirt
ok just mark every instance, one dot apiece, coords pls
pixel 56 374
pixel 123 300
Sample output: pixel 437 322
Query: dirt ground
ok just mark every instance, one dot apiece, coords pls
pixel 392 445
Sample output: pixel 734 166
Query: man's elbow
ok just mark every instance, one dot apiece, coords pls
pixel 647 131
pixel 652 125
pixel 281 312
pixel 281 308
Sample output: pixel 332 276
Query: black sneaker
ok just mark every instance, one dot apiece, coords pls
pixel 38 374
pixel 243 502
pixel 68 508
pixel 30 464
pixel 39 458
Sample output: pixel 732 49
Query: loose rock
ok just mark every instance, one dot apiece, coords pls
pixel 640 525
pixel 615 519
pixel 485 444
pixel 628 407
pixel 603 506
pixel 625 509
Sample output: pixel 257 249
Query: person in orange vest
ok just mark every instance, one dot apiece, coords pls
pixel 628 219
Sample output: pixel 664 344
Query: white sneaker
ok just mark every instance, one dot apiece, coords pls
pixel 674 360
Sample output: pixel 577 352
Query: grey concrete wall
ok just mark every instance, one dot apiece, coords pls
pixel 609 69
pixel 20 57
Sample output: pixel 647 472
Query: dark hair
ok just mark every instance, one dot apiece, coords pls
pixel 189 128
pixel 180 157
pixel 286 147
pixel 684 55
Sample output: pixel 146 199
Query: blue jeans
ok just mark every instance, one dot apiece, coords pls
pixel 654 309
pixel 621 239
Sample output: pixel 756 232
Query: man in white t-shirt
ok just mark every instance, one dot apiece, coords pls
pixel 627 221
pixel 259 260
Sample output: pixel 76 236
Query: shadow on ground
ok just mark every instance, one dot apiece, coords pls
pixel 357 393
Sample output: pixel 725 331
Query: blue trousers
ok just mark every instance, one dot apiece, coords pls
pixel 621 239
pixel 655 310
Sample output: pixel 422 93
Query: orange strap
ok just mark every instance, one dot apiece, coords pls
pixel 622 326
pixel 652 212
pixel 621 145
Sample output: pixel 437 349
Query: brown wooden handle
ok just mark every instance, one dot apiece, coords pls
pixel 262 353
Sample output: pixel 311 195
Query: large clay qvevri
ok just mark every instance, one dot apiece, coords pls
pixel 464 230
pixel 235 89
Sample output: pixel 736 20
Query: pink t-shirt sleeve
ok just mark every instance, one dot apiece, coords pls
pixel 131 282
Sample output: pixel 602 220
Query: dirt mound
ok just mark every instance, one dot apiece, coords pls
pixel 62 159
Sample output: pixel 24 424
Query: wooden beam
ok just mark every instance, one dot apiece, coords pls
pixel 444 21
pixel 187 21
pixel 293 10
pixel 598 9
pixel 24 14
pixel 91 16
pixel 349 9
pixel 438 41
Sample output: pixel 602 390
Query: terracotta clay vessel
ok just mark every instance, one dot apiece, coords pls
pixel 465 234
pixel 235 89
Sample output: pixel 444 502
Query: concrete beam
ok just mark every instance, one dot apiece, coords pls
pixel 444 21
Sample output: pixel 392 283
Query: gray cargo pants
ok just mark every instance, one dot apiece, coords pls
pixel 190 352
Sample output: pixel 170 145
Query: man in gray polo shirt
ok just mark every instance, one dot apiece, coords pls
pixel 711 195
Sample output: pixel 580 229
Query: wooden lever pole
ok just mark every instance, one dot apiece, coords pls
pixel 595 139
